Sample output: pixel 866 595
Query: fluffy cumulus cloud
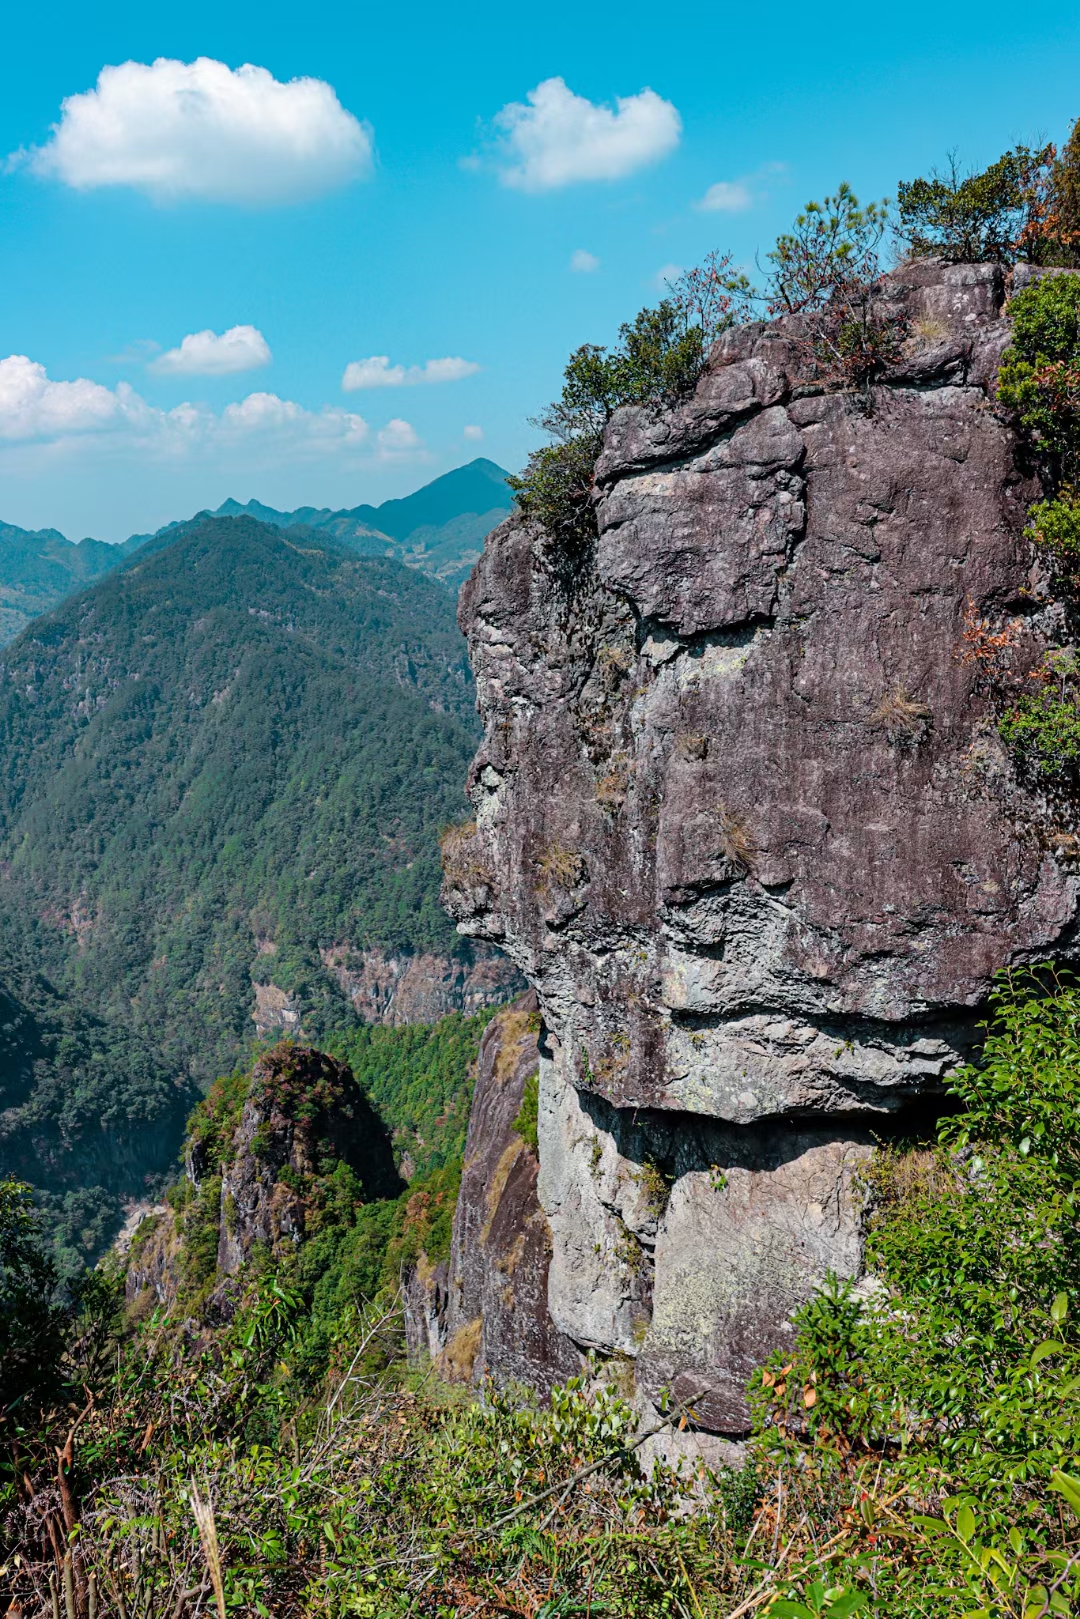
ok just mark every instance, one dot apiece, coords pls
pixel 205 354
pixel 555 138
pixel 181 131
pixel 377 372
pixel 33 407
pixel 397 438
pixel 584 262
pixel 36 411
pixel 727 197
pixel 473 434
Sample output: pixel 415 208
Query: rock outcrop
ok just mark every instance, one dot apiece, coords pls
pixel 744 821
pixel 485 1312
pixel 260 1165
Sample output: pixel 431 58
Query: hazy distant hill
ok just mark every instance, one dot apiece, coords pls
pixel 438 530
pixel 39 567
pixel 220 760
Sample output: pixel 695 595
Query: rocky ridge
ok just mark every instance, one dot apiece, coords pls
pixel 259 1165
pixel 744 821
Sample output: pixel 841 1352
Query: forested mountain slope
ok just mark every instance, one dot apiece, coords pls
pixel 88 1114
pixel 438 529
pixel 39 567
pixel 216 763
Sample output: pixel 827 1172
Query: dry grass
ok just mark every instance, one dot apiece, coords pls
pixel 611 789
pixel 462 864
pixel 559 867
pixel 895 1176
pixel 458 1359
pixel 736 844
pixel 497 1186
pixel 691 745
pixel 902 717
pixel 927 331
pixel 517 1035
pixel 208 1539
pixel 613 664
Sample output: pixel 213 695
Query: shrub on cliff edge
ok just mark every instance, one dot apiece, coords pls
pixel 656 362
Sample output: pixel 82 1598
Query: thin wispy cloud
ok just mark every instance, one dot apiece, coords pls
pixel 736 196
pixel 726 197
pixel 584 263
pixel 201 131
pixel 377 372
pixel 556 138
pixel 205 354
pixel 473 434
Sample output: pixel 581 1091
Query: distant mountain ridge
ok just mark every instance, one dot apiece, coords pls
pixel 438 530
pixel 39 567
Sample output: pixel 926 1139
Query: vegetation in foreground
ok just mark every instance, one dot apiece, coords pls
pixel 917 1455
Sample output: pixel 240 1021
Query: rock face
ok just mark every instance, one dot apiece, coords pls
pixel 745 823
pixel 485 1313
pixel 385 987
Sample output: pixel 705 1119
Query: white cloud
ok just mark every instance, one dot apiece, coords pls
pixel 398 438
pixel 205 354
pixel 38 412
pixel 182 131
pixel 474 434
pixel 377 372
pixel 32 407
pixel 270 418
pixel 735 196
pixel 727 197
pixel 585 262
pixel 560 138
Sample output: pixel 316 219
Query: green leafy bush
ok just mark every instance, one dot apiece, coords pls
pixel 975 218
pixel 1040 370
pixel 1054 526
pixel 959 1373
pixel 656 362
pixel 1042 731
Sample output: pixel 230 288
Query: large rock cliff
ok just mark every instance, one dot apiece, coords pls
pixel 744 822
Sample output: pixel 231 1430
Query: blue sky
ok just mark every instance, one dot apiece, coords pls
pixel 403 220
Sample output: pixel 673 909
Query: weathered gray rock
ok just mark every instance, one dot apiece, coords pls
pixel 397 988
pixel 485 1313
pixel 743 819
